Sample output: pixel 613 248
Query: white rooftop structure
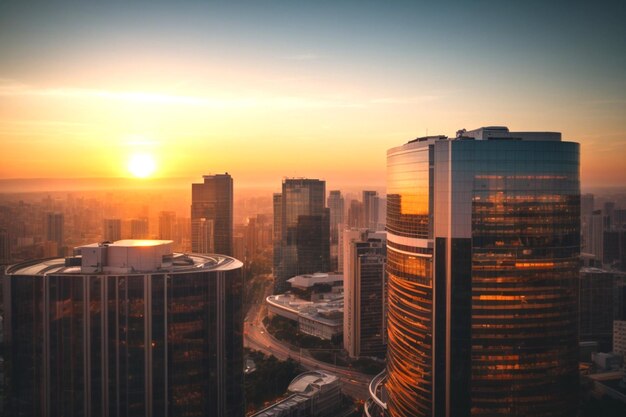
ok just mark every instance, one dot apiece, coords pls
pixel 126 256
pixel 309 280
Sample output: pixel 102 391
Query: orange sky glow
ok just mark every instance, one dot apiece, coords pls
pixel 308 107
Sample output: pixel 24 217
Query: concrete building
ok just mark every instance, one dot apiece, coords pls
pixel 370 209
pixel 365 288
pixel 212 215
pixel 619 337
pixel 322 318
pixel 125 329
pixel 483 242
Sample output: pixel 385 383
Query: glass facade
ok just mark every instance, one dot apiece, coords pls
pixel 212 215
pixel 304 230
pixel 525 248
pixel 410 290
pixel 486 323
pixel 161 344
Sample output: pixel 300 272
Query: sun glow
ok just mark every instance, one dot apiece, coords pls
pixel 141 165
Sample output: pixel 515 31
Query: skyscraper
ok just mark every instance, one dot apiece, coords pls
pixel 112 230
pixel 167 225
pixel 301 223
pixel 125 329
pixel 139 228
pixel 335 204
pixel 483 239
pixel 55 229
pixel 212 215
pixel 365 289
pixel 370 209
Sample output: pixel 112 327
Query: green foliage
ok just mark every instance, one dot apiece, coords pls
pixel 270 380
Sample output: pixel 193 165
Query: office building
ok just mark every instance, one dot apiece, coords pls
pixel 167 225
pixel 139 228
pixel 365 287
pixel 125 329
pixel 335 204
pixel 5 247
pixel 212 215
pixel 356 215
pixel 55 230
pixel 597 307
pixel 370 209
pixel 483 241
pixel 112 230
pixel 301 230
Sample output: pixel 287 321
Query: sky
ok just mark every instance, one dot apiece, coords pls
pixel 319 89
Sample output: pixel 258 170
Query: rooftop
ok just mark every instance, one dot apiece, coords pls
pixel 125 257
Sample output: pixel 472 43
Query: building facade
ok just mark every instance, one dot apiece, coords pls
pixel 125 329
pixel 335 204
pixel 483 241
pixel 301 230
pixel 365 289
pixel 112 230
pixel 212 215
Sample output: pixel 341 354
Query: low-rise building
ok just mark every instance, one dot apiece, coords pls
pixel 323 318
pixel 313 394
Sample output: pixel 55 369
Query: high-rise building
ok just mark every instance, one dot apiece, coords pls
pixel 597 225
pixel 483 240
pixel 112 230
pixel 365 287
pixel 55 229
pixel 167 225
pixel 125 329
pixel 139 228
pixel 335 204
pixel 356 216
pixel 212 215
pixel 5 247
pixel 302 223
pixel 370 209
pixel 597 307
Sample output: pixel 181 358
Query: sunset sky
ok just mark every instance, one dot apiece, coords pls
pixel 267 89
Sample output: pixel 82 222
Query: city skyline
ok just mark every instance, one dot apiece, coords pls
pixel 268 83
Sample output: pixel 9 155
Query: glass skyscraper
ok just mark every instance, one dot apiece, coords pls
pixel 212 215
pixel 125 329
pixel 482 260
pixel 301 230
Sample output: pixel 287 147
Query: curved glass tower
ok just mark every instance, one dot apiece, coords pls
pixel 125 329
pixel 483 245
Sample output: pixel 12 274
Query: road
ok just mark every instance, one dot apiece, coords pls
pixel 257 338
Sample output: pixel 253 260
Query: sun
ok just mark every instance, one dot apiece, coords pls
pixel 141 165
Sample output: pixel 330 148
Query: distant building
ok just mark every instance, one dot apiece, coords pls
pixel 167 225
pixel 125 329
pixel 313 394
pixel 335 204
pixel 596 308
pixel 301 230
pixel 212 215
pixel 139 228
pixel 322 318
pixel 619 337
pixel 365 288
pixel 55 230
pixel 5 247
pixel 356 215
pixel 370 209
pixel 112 230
